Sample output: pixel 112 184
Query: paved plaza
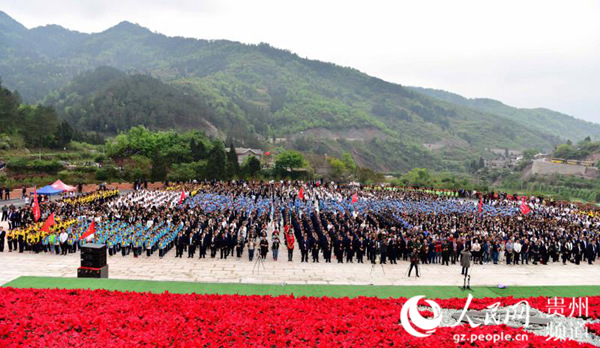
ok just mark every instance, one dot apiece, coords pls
pixel 232 270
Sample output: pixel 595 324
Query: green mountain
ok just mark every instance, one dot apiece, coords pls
pixel 552 122
pixel 250 93
pixel 34 126
pixel 109 101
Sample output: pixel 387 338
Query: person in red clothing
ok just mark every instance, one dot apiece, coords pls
pixel 289 241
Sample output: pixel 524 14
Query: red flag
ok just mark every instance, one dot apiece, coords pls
pixel 36 206
pixel 182 198
pixel 49 223
pixel 267 153
pixel 355 198
pixel 301 193
pixel 90 231
pixel 524 207
pixel 480 204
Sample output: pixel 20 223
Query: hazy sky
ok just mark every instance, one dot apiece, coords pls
pixel 526 53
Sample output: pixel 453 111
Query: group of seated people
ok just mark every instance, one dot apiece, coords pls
pixel 323 221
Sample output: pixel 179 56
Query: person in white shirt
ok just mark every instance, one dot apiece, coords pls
pixel 476 249
pixel 62 238
pixel 517 251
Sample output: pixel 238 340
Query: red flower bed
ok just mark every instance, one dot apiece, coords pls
pixel 594 328
pixel 60 318
pixel 566 306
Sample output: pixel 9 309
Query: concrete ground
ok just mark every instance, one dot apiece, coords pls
pixel 232 270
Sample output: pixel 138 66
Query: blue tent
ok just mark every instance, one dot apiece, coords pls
pixel 48 190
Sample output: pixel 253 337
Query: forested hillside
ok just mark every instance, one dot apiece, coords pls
pixel 552 122
pixel 109 101
pixel 30 125
pixel 250 93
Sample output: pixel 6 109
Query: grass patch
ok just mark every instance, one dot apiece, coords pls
pixel 298 290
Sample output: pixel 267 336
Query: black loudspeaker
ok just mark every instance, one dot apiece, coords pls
pixel 91 272
pixel 93 255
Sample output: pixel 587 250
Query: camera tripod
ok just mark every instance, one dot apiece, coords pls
pixel 467 279
pixel 373 265
pixel 257 264
pixel 466 282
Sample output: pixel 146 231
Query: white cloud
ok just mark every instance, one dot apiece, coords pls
pixel 525 53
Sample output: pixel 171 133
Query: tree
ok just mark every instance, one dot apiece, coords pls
pixel 349 161
pixel 216 162
pixel 417 177
pixel 563 151
pixel 366 175
pixel 233 166
pixel 9 105
pixel 473 166
pixel 530 153
pixel 102 174
pixel 197 149
pixel 183 172
pixel 288 161
pixel 39 125
pixel 338 169
pixel 138 167
pixel 251 166
pixel 481 162
pixel 159 167
pixel 64 134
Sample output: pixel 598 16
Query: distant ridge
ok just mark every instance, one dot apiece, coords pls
pixel 553 122
pixel 253 94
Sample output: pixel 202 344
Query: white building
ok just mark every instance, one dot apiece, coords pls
pixel 243 153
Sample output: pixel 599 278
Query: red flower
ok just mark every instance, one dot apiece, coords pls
pixel 594 328
pixel 85 318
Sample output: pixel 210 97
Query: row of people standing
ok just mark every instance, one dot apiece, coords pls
pixel 5 193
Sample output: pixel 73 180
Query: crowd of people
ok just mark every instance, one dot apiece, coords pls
pixel 322 222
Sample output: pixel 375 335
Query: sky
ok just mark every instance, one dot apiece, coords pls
pixel 532 53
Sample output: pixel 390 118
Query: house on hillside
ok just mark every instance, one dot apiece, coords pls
pixel 508 163
pixel 506 152
pixel 243 153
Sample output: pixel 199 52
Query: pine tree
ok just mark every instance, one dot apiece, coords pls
pixel 252 166
pixel 233 167
pixel 159 167
pixel 193 147
pixel 198 150
pixel 216 162
pixel 64 134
